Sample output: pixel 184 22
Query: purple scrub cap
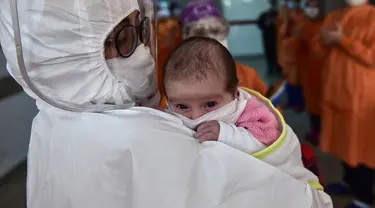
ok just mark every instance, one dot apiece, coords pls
pixel 199 9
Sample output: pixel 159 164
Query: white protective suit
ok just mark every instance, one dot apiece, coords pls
pixel 121 158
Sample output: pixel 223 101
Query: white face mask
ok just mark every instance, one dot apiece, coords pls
pixel 224 43
pixel 137 75
pixel 355 2
pixel 311 12
pixel 228 113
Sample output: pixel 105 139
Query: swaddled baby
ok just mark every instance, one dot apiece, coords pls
pixel 201 86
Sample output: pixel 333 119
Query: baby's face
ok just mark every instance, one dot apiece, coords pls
pixel 194 99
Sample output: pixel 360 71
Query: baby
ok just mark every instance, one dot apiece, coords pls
pixel 201 86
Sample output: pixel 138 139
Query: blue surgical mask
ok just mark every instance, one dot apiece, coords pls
pixel 292 5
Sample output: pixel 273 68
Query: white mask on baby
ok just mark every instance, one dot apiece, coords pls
pixel 137 75
pixel 355 2
pixel 228 113
pixel 311 12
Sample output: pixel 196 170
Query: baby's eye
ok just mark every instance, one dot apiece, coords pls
pixel 210 104
pixel 182 106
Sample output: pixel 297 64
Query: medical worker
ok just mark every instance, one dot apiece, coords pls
pixel 169 35
pixel 347 40
pixel 88 66
pixel 309 65
pixel 293 15
pixel 267 24
pixel 289 14
pixel 299 47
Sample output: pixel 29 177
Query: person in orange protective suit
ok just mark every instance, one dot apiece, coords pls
pixel 292 16
pixel 348 107
pixel 307 64
pixel 202 18
pixel 289 14
pixel 168 37
pixel 249 78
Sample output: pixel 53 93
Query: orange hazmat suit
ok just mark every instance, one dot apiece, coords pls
pixel 307 64
pixel 168 37
pixel 348 110
pixel 287 62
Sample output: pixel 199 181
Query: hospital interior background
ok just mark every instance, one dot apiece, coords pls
pixel 245 43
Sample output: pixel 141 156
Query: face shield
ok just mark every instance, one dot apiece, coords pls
pixel 81 56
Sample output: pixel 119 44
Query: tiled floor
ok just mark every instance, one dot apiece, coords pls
pixel 13 194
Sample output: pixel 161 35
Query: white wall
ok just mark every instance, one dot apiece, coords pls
pixel 244 40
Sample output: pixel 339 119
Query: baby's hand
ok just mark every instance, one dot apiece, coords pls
pixel 208 131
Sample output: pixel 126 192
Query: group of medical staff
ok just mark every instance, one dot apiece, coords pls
pixel 332 58
pixel 90 65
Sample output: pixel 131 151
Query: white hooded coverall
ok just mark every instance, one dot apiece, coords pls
pixel 125 158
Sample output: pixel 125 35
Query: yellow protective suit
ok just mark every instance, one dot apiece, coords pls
pixel 348 110
pixel 307 64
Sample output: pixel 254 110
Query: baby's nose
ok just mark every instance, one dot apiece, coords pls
pixel 196 114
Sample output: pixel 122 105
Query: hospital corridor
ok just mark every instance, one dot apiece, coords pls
pixel 254 45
